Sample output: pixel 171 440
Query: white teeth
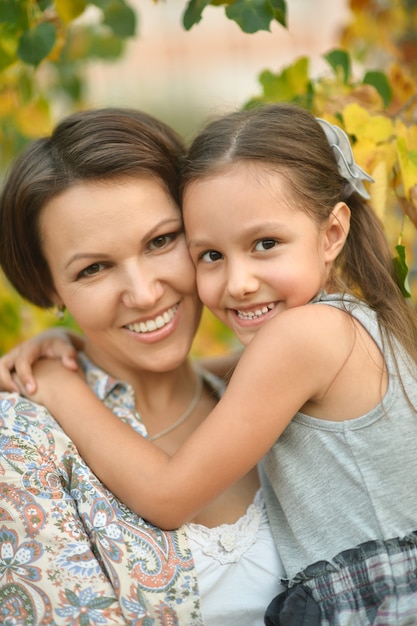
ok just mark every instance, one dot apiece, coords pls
pixel 251 315
pixel 160 321
pixel 150 325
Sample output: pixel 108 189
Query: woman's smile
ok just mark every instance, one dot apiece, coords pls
pixel 156 328
pixel 153 324
pixel 129 284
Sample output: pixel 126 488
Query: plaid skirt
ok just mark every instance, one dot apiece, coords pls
pixel 374 583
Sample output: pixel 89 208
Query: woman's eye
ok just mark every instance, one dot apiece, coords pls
pixel 162 240
pixel 265 244
pixel 210 256
pixel 91 270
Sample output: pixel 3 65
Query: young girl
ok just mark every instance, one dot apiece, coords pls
pixel 290 255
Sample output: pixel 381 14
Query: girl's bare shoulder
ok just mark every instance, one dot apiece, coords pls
pixel 310 320
pixel 311 336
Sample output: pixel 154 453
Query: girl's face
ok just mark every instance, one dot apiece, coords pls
pixel 255 252
pixel 120 264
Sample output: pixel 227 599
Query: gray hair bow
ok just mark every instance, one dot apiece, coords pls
pixel 342 150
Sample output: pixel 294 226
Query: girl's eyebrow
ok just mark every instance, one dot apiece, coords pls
pixel 258 230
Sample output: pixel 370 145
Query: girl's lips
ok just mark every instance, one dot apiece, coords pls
pixel 151 325
pixel 255 313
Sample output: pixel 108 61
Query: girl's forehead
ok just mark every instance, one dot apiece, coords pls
pixel 252 170
pixel 243 177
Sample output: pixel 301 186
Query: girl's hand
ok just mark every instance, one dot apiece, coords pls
pixel 53 383
pixel 16 366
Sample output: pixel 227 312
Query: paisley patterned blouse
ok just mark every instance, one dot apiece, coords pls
pixel 70 552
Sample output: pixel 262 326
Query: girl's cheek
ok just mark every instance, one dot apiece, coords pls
pixel 203 292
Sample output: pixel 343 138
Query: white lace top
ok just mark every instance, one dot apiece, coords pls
pixel 238 568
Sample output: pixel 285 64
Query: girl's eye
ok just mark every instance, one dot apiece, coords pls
pixel 210 256
pixel 162 241
pixel 91 270
pixel 265 244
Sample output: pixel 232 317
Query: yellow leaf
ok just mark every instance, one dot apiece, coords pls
pixel 68 10
pixel 408 166
pixel 361 124
pixel 7 103
pixel 34 120
pixel 408 133
pixel 403 84
pixel 379 190
pixel 298 75
pixel 368 154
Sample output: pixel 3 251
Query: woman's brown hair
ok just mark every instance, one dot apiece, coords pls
pixel 90 145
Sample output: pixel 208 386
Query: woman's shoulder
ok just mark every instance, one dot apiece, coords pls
pixel 12 404
pixel 22 416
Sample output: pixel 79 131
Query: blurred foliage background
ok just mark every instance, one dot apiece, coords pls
pixel 369 88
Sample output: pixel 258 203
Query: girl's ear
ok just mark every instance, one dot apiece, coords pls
pixel 336 231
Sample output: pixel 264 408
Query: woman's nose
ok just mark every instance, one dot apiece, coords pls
pixel 141 288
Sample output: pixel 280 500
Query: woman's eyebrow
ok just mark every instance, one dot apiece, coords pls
pixel 85 256
pixel 104 255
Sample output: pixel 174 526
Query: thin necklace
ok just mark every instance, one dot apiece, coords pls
pixel 184 416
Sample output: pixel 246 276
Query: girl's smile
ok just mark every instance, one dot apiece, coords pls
pixel 253 315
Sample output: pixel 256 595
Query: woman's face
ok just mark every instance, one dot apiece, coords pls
pixel 120 264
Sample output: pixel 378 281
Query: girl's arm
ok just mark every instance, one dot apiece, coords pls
pixel 55 343
pixel 288 363
pixel 222 366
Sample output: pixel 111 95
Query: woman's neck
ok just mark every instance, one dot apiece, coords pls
pixel 161 397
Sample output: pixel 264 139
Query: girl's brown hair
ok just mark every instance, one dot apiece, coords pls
pixel 90 145
pixel 289 140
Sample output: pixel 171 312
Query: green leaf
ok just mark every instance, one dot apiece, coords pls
pixel 14 12
pixel 401 269
pixel 292 82
pixel 35 44
pixel 69 81
pixel 100 4
pixel 279 9
pixel 69 10
pixel 251 15
pixel 10 317
pixel 121 19
pixel 26 86
pixel 339 59
pixel 193 12
pixel 8 47
pixel 380 81
pixel 106 46
pixel 5 59
pixel 44 4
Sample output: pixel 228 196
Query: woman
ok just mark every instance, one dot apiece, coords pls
pixel 89 220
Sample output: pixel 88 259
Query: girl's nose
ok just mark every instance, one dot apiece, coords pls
pixel 241 281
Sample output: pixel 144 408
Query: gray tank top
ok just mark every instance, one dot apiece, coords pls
pixel 330 486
